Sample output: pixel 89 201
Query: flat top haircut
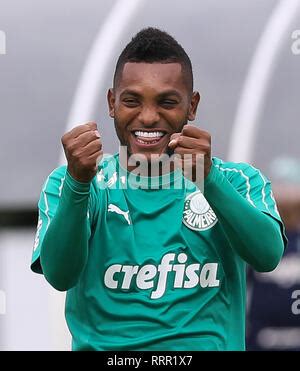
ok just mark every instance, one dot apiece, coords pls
pixel 152 45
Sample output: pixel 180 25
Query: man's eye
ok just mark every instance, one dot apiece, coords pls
pixel 130 102
pixel 168 103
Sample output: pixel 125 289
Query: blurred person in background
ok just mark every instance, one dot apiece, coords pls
pixel 273 324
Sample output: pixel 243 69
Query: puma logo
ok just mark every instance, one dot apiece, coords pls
pixel 115 209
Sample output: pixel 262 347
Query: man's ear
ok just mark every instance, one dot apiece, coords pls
pixel 111 102
pixel 193 106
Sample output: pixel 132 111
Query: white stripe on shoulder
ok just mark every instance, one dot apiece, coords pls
pixel 45 196
pixel 275 206
pixel 46 203
pixel 263 190
pixel 244 176
pixel 61 185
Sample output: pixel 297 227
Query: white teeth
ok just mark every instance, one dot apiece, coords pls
pixel 149 134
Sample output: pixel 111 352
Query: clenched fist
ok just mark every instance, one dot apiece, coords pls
pixel 83 149
pixel 193 145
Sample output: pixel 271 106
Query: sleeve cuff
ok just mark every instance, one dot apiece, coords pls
pixel 213 176
pixel 75 185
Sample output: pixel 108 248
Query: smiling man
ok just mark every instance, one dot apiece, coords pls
pixel 154 268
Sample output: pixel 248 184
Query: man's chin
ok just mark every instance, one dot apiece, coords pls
pixel 156 150
pixel 151 156
pixel 148 163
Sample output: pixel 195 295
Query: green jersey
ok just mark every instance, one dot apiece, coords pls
pixel 161 273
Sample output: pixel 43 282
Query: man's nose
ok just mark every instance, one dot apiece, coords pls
pixel 149 116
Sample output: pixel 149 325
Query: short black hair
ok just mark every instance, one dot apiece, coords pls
pixel 152 45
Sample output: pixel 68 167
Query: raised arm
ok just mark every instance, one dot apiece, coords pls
pixel 252 231
pixel 66 201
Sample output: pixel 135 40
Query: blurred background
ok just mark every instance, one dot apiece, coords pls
pixel 56 64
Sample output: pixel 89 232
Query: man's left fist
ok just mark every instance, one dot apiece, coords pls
pixel 193 145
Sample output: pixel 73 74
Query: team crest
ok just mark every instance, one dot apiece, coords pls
pixel 197 213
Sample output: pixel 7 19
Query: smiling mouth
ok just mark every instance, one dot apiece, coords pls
pixel 148 138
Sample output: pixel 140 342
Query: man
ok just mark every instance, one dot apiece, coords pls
pixel 154 267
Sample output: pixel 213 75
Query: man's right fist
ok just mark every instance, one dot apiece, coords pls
pixel 83 149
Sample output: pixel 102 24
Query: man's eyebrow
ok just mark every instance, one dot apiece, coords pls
pixel 168 93
pixel 163 94
pixel 131 92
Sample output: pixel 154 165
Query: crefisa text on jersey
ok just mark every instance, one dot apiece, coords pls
pixel 187 276
pixel 147 360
